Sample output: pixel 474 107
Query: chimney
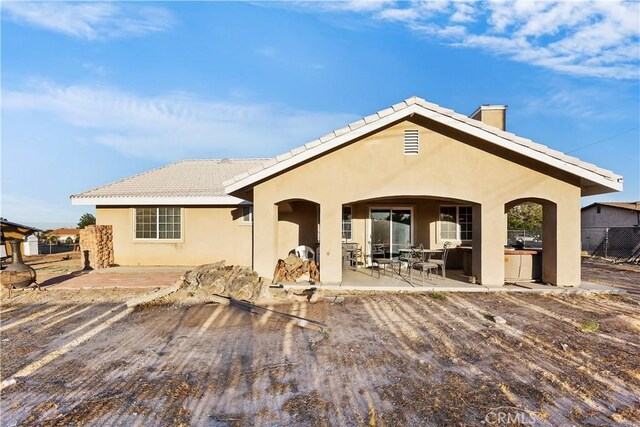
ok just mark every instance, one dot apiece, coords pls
pixel 492 115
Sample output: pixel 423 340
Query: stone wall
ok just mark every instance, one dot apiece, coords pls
pixel 98 240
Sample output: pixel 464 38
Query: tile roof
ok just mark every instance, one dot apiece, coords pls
pixel 428 109
pixel 64 232
pixel 634 206
pixel 186 178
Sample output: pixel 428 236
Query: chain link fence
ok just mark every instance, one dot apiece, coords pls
pixel 620 244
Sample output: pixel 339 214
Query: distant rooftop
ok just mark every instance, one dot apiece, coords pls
pixel 15 224
pixel 634 206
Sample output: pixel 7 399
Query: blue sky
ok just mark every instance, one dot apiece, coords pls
pixel 93 92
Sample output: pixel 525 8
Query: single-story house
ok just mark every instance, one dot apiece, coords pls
pixel 611 214
pixel 611 229
pixel 62 234
pixel 412 173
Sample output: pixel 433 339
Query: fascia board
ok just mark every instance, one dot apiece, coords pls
pixel 154 201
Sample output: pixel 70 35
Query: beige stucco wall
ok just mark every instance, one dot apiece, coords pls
pixel 450 165
pixel 209 234
pixel 495 117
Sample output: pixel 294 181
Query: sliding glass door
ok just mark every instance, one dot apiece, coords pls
pixel 391 228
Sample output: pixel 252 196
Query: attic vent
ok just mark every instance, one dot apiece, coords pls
pixel 411 142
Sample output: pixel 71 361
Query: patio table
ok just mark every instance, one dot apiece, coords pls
pixel 424 252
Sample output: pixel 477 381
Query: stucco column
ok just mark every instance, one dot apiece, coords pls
pixel 330 242
pixel 265 235
pixel 489 237
pixel 561 242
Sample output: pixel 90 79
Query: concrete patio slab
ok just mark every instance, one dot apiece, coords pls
pixel 361 280
pixel 117 277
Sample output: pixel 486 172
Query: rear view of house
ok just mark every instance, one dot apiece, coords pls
pixel 414 173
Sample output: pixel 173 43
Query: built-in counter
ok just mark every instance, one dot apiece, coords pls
pixel 519 264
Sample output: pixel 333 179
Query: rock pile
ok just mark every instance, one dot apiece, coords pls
pixel 239 283
pixel 98 240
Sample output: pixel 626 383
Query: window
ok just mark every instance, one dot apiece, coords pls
pixel 247 214
pixel 465 223
pixel 411 142
pixel 598 209
pixel 346 222
pixel 456 223
pixel 158 223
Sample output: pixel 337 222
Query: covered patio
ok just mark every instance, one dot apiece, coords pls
pixel 419 175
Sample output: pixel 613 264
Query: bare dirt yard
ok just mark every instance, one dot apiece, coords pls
pixel 84 358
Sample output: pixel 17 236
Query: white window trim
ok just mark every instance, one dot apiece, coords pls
pixel 156 239
pixel 457 240
pixel 244 221
pixel 369 226
pixel 342 224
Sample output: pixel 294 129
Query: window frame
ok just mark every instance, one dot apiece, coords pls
pixel 343 223
pixel 243 219
pixel 156 239
pixel 458 239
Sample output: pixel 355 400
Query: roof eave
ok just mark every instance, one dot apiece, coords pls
pixel 289 160
pixel 79 200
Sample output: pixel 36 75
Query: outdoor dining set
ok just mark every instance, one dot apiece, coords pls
pixel 427 261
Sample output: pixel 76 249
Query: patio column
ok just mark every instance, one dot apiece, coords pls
pixel 489 237
pixel 331 242
pixel 265 235
pixel 561 242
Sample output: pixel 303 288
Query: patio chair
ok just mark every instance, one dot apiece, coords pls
pixel 351 253
pixel 442 262
pixel 423 266
pixel 410 257
pixel 379 259
pixel 305 253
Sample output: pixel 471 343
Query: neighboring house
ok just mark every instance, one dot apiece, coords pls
pixel 611 229
pixel 13 231
pixel 611 214
pixel 62 234
pixel 412 173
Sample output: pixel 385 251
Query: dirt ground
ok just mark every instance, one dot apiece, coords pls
pixel 83 358
pixel 54 265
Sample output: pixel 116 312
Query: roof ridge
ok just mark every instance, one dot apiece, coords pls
pixel 126 179
pixel 462 119
pixel 223 158
pixel 526 142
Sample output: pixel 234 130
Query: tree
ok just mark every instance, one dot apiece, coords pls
pixel 86 219
pixel 527 216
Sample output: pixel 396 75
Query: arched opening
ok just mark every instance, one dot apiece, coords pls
pixel 397 223
pixel 530 253
pixel 524 225
pixel 298 225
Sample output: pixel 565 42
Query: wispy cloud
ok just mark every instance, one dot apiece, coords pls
pixel 90 20
pixel 589 38
pixel 177 125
